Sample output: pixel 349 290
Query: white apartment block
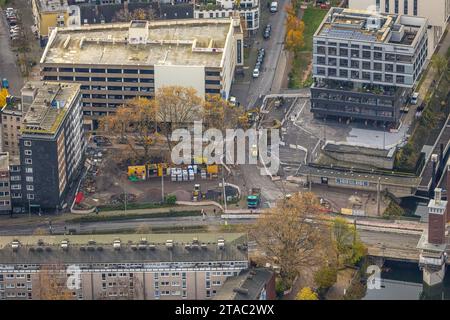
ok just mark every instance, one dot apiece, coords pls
pixel 249 10
pixel 436 11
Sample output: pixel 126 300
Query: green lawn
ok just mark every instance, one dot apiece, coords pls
pixel 312 17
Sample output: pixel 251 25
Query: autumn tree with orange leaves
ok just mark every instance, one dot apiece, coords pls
pixel 220 114
pixel 137 116
pixel 295 28
pixel 288 239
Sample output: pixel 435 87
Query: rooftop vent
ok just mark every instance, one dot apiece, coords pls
pixel 221 243
pixel 15 245
pixel 116 244
pixel 64 244
pixel 241 291
pixel 437 195
pixel 169 244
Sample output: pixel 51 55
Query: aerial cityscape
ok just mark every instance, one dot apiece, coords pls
pixel 215 150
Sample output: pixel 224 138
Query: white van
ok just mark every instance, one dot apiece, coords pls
pixel 274 7
pixel 414 98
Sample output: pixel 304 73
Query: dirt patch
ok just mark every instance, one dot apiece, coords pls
pixel 344 280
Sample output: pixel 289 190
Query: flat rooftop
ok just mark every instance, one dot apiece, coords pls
pixel 49 107
pixel 361 25
pixel 172 42
pixel 246 286
pixel 52 5
pixel 134 248
pixel 13 105
pixel 359 150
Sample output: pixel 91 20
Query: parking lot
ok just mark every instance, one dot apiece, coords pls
pixel 109 183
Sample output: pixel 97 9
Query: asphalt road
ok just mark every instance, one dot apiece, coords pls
pixel 104 226
pixel 248 93
pixel 8 66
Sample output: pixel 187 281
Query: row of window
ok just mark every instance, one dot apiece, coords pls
pixel 356 75
pixel 101 79
pixel 97 70
pixel 366 65
pixel 358 54
pixel 387 6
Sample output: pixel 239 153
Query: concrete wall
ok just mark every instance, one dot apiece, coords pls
pixel 376 161
pixel 186 76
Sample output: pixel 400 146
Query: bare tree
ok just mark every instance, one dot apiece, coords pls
pixel 177 106
pixel 52 283
pixel 126 287
pixel 137 116
pixel 138 14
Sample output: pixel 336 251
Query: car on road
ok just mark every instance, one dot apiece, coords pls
pixel 414 98
pixel 274 7
pixel 233 101
pixel 267 31
pixel 255 73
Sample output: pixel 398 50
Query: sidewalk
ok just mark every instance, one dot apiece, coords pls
pixel 431 75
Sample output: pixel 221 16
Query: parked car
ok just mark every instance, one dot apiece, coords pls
pixel 261 52
pixel 255 73
pixel 233 101
pixel 414 98
pixel 267 31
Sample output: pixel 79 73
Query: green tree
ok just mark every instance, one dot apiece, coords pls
pixel 347 245
pixel 440 63
pixel 325 277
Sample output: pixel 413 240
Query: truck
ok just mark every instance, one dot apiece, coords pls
pixel 196 193
pixel 254 198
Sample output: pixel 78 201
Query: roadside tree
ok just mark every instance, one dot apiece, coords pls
pixel 289 239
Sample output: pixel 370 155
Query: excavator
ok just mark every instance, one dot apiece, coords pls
pixel 250 117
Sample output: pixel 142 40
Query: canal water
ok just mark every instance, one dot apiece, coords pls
pixel 403 281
